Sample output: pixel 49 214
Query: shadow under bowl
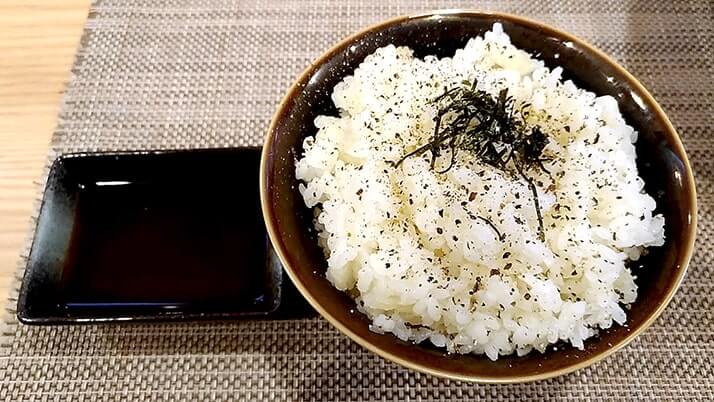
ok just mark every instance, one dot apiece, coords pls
pixel 661 161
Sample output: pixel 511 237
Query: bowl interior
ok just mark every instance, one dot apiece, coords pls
pixel 661 162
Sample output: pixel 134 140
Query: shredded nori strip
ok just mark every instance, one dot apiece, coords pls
pixel 495 229
pixel 472 120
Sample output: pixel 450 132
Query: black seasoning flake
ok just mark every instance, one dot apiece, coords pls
pixel 506 255
pixel 472 196
pixel 457 221
pixel 508 266
pixel 439 230
pixel 527 296
pixel 495 272
pixel 441 213
pixel 455 238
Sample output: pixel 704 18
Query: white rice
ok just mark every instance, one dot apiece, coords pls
pixel 401 242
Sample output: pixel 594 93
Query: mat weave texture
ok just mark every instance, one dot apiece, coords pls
pixel 199 73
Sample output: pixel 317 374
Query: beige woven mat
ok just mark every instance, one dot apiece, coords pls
pixel 202 73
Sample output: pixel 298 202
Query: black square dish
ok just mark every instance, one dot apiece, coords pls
pixel 151 235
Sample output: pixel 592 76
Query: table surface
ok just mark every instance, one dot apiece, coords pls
pixel 120 88
pixel 38 40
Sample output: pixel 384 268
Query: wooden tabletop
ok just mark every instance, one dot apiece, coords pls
pixel 38 40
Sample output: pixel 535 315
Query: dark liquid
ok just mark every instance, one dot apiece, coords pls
pixel 181 235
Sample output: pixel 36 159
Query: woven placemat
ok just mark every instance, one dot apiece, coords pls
pixel 200 73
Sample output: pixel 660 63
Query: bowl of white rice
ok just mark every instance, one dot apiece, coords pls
pixel 478 196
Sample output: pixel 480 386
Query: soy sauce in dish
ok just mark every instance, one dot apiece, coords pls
pixel 166 235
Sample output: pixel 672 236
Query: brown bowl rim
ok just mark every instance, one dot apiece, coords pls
pixel 269 217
